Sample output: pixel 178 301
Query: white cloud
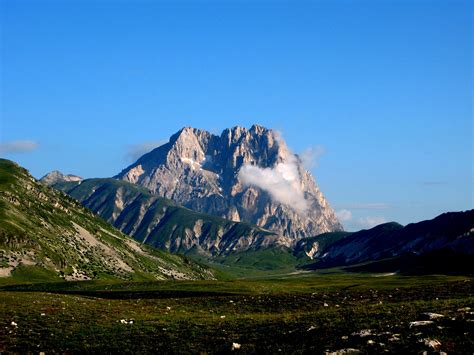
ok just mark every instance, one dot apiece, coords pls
pixel 19 146
pixel 367 206
pixel 344 215
pixel 310 156
pixel 135 151
pixel 282 181
pixel 369 222
pixel 351 223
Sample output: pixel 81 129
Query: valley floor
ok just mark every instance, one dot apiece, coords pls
pixel 310 313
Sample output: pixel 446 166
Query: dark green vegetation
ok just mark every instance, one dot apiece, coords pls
pixel 253 263
pixel 46 235
pixel 444 244
pixel 310 313
pixel 323 241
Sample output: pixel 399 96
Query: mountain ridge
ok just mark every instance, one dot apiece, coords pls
pixel 450 231
pixel 162 223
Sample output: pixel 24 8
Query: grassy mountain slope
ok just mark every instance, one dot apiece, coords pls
pixel 443 243
pixel 45 234
pixel 315 247
pixel 162 223
pixel 442 262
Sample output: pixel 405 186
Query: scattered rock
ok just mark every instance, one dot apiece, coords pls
pixel 363 333
pixel 236 346
pixel 432 316
pixel 420 323
pixel 432 343
pixel 395 337
pixel 325 304
pixel 124 321
pixel 344 351
pixel 14 324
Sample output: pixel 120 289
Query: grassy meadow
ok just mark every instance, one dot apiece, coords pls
pixel 305 313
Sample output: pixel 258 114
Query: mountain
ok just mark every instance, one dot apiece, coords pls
pixel 46 234
pixel 448 234
pixel 244 175
pixel 162 223
pixel 389 247
pixel 315 247
pixel 56 176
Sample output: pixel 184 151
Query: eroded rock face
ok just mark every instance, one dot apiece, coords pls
pixel 243 175
pixel 56 176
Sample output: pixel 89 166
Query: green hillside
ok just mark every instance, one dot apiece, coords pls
pixel 161 223
pixel 45 234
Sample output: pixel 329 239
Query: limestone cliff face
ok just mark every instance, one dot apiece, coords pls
pixel 244 175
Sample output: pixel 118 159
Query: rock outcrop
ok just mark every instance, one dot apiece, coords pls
pixel 56 176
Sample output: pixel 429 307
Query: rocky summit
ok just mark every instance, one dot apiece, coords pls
pixel 56 176
pixel 245 175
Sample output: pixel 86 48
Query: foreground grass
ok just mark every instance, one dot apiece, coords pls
pixel 309 313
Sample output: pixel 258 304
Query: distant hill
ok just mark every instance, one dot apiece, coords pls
pixel 45 234
pixel 448 238
pixel 315 247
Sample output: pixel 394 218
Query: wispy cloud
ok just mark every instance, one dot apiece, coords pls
pixel 19 146
pixel 344 215
pixel 366 206
pixel 282 181
pixel 350 222
pixel 311 155
pixel 135 151
pixel 369 222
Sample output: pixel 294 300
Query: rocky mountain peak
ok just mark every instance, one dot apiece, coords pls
pixel 56 176
pixel 189 143
pixel 244 175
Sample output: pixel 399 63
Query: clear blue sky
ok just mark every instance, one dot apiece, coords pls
pixel 385 87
